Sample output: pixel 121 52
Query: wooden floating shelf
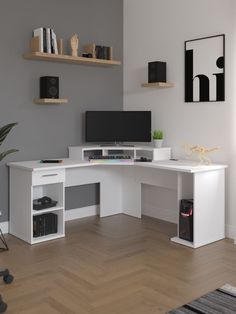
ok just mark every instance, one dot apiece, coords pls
pixel 45 101
pixel 158 85
pixel 69 59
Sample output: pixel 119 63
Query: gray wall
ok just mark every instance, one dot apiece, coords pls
pixel 47 131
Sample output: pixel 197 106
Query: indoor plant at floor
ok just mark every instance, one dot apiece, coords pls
pixel 4 131
pixel 157 136
pixel 7 278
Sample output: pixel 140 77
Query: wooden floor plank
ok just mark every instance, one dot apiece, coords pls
pixel 113 265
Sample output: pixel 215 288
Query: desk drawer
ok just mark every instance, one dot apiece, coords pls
pixel 48 176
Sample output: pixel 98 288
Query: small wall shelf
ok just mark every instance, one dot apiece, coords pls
pixel 69 59
pixel 46 101
pixel 158 85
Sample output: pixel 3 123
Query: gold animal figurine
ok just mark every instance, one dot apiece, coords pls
pixel 201 151
pixel 74 43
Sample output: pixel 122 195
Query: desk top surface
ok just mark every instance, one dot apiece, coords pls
pixel 173 165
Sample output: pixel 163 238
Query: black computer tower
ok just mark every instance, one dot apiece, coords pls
pixel 44 224
pixel 186 220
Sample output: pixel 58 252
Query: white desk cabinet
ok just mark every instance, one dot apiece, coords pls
pixel 120 192
pixel 25 186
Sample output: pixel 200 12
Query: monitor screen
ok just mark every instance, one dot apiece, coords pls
pixel 118 126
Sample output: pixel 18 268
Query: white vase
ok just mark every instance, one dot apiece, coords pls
pixel 158 143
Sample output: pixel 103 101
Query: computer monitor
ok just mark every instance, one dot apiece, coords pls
pixel 118 126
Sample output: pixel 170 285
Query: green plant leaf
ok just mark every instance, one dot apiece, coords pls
pixel 4 154
pixel 157 135
pixel 5 130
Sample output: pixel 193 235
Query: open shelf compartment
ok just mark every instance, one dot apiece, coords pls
pixel 185 191
pixel 54 191
pixel 60 229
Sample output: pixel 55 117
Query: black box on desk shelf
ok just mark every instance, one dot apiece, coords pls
pixel 186 220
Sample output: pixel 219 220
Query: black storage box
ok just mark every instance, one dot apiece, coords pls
pixel 186 220
pixel 44 224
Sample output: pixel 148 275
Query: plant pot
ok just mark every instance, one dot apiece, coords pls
pixel 158 143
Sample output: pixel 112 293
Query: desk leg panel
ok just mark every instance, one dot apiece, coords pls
pixel 111 192
pixel 131 193
pixel 209 207
pixel 20 222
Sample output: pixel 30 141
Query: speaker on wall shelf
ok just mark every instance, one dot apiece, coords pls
pixel 156 72
pixel 49 87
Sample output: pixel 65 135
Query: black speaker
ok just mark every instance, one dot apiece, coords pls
pixel 156 72
pixel 49 87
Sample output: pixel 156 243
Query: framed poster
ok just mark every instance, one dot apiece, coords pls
pixel 205 69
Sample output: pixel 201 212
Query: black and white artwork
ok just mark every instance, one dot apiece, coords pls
pixel 205 69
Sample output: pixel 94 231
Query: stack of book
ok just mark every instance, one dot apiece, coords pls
pixel 47 40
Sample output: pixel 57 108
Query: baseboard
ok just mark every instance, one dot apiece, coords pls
pixel 4 226
pixel 230 232
pixel 82 212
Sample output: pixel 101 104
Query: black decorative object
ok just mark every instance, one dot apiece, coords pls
pixel 156 72
pixel 49 87
pixel 205 69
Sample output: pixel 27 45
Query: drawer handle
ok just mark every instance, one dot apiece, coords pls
pixel 50 175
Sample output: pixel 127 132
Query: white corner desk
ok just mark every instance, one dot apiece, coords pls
pixel 120 192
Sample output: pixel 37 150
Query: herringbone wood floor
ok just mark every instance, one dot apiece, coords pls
pixel 112 265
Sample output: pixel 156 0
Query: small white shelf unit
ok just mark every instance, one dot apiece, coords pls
pixel 83 152
pixel 55 191
pixel 45 183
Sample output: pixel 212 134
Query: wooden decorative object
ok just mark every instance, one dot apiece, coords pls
pixel 201 151
pixel 110 53
pixel 60 46
pixel 158 85
pixel 46 101
pixel 35 44
pixel 74 43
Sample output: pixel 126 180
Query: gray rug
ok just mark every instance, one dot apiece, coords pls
pixel 220 301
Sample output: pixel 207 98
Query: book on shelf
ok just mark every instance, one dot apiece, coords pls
pixel 48 36
pixel 54 42
pixel 39 33
pixel 44 40
pixel 47 41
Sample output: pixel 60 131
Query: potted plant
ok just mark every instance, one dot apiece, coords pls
pixel 157 136
pixel 4 131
